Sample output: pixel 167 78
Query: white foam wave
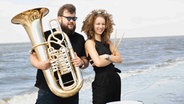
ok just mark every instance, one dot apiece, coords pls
pixel 168 63
pixel 21 99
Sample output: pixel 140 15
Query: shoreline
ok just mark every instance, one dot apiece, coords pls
pixel 161 86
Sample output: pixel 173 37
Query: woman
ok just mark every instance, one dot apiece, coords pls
pixel 100 51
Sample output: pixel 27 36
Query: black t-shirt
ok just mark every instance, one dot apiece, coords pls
pixel 77 42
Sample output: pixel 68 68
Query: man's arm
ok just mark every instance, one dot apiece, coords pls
pixel 80 62
pixel 85 62
pixel 35 62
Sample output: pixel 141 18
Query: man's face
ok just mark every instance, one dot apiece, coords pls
pixel 67 22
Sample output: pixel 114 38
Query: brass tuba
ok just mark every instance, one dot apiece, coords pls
pixel 63 78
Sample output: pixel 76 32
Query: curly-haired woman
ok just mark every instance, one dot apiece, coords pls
pixel 98 26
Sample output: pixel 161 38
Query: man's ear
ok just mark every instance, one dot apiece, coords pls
pixel 59 18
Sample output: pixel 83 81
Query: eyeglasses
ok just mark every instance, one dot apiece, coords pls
pixel 70 18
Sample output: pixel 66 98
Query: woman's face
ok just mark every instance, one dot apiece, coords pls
pixel 99 25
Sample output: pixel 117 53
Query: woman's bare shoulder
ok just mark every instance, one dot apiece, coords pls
pixel 89 41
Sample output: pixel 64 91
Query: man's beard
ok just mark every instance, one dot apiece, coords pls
pixel 67 30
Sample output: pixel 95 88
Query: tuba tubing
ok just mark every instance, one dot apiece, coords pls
pixel 31 20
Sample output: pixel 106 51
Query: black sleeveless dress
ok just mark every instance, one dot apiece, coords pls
pixel 106 86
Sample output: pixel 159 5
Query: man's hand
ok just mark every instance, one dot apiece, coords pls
pixel 35 62
pixel 77 61
pixel 43 65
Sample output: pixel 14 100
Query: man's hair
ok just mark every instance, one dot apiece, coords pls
pixel 69 7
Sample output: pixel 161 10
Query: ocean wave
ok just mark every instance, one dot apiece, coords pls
pixel 29 97
pixel 167 63
pixel 170 62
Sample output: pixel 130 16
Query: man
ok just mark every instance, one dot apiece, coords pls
pixel 67 19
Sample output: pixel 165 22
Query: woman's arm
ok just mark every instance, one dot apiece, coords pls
pixel 99 60
pixel 115 57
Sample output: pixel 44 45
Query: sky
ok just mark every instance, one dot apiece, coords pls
pixel 133 18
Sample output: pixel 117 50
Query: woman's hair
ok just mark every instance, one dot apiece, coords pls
pixel 88 24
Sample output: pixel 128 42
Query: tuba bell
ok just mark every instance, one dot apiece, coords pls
pixel 63 78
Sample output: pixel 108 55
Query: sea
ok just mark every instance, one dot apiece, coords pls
pixel 152 72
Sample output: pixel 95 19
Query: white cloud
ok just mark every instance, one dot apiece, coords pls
pixel 136 18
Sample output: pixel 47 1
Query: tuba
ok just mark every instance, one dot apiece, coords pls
pixel 63 78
